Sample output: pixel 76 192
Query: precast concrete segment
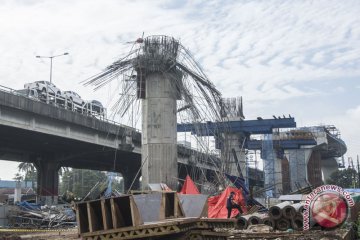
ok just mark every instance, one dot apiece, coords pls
pixel 48 180
pixel 159 136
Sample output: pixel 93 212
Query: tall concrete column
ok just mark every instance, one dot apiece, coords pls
pixel 159 136
pixel 48 181
pixel 298 159
pixel 234 141
pixel 278 188
pixel 268 156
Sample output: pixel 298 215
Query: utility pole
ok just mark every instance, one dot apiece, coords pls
pixel 51 61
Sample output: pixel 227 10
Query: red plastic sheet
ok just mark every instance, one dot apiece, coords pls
pixel 217 204
pixel 189 187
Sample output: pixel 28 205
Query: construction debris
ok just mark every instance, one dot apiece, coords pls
pixel 33 216
pixel 160 214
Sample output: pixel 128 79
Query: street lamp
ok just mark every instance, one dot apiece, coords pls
pixel 51 60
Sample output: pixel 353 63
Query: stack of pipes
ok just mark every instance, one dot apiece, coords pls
pixel 282 216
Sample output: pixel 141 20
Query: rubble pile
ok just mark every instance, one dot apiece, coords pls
pixel 34 216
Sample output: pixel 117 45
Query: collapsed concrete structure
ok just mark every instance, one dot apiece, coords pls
pixel 165 73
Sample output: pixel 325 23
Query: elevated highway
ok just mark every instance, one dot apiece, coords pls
pixel 53 137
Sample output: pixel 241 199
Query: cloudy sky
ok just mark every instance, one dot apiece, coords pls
pixel 297 57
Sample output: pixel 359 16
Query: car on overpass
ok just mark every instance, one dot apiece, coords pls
pixel 95 107
pixel 44 87
pixel 74 98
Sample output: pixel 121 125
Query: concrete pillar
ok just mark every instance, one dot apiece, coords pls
pixel 159 136
pixel 268 155
pixel 234 141
pixel 298 159
pixel 314 168
pixel 285 178
pixel 48 181
pixel 278 176
pixel 17 192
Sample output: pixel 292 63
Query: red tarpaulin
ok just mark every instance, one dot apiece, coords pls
pixel 189 187
pixel 217 204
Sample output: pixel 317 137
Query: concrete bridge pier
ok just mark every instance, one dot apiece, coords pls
pixel 48 180
pixel 159 136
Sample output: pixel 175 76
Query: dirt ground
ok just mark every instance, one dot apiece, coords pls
pixel 53 235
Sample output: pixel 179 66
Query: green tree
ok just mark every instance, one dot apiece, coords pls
pixel 80 181
pixel 346 178
pixel 18 177
pixel 30 173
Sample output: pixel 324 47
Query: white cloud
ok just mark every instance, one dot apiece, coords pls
pixel 350 131
pixel 263 50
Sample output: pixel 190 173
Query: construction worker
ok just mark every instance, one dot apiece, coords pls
pixel 230 204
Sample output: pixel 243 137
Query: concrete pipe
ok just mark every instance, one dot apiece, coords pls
pixel 242 222
pixel 275 212
pixel 289 212
pixel 268 221
pixel 253 220
pixel 297 222
pixel 299 207
pixel 257 218
pixel 282 224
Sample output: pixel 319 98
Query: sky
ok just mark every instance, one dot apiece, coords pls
pixel 297 57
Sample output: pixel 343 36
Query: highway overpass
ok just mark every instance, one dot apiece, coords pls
pixel 52 137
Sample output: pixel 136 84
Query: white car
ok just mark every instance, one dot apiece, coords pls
pixel 74 98
pixel 44 87
pixel 95 106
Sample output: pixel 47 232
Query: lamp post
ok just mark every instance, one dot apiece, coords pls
pixel 51 60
